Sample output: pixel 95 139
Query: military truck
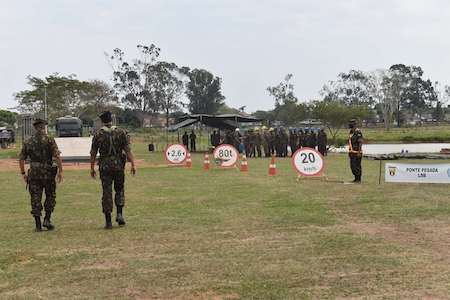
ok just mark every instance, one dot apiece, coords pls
pixel 7 137
pixel 69 126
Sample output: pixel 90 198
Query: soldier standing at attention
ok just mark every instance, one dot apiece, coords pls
pixel 355 142
pixel 41 150
pixel 114 147
pixel 193 139
pixel 322 142
pixel 185 139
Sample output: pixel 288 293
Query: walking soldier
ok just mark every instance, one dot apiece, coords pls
pixel 41 150
pixel 113 144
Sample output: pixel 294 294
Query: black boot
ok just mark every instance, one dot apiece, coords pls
pixel 37 220
pixel 120 219
pixel 47 223
pixel 108 223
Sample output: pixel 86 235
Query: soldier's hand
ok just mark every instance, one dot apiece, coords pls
pixel 60 177
pixel 133 170
pixel 93 174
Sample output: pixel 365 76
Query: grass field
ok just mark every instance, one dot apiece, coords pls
pixel 226 235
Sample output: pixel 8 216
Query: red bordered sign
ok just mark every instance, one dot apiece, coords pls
pixel 226 156
pixel 308 162
pixel 175 154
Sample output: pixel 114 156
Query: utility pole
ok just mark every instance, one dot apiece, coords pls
pixel 45 104
pixel 45 108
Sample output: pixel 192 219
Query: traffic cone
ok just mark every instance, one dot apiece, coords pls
pixel 206 162
pixel 188 160
pixel 272 167
pixel 244 164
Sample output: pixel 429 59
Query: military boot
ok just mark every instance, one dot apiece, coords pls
pixel 37 220
pixel 108 223
pixel 120 219
pixel 47 223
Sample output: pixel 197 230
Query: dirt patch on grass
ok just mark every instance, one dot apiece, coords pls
pixel 101 265
pixel 432 235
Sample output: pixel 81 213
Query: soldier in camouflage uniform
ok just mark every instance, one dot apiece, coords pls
pixel 41 150
pixel 113 144
pixel 355 142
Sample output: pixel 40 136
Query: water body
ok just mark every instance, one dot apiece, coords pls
pixel 398 148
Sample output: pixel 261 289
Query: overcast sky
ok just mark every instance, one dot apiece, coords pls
pixel 250 44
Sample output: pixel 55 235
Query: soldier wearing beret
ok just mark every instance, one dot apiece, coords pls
pixel 113 144
pixel 41 150
pixel 355 142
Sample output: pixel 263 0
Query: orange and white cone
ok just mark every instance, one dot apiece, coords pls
pixel 188 160
pixel 272 167
pixel 244 164
pixel 206 162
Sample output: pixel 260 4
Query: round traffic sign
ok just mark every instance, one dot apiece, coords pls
pixel 226 155
pixel 176 154
pixel 308 162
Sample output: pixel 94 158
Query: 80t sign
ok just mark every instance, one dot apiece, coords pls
pixel 308 162
pixel 226 155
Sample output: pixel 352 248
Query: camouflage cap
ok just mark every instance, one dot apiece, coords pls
pixel 39 121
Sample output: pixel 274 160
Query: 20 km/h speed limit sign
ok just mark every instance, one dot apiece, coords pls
pixel 176 154
pixel 226 156
pixel 308 162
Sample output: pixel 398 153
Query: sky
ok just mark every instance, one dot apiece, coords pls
pixel 250 44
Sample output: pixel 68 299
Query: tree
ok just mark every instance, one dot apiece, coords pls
pixel 167 87
pixel 287 109
pixel 352 88
pixel 204 92
pixel 283 92
pixel 134 82
pixel 7 117
pixel 64 95
pixel 335 115
pixel 414 93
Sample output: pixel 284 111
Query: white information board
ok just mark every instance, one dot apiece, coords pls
pixel 417 173
pixel 176 154
pixel 308 162
pixel 226 155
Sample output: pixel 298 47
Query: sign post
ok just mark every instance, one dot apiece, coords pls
pixel 308 162
pixel 226 156
pixel 417 173
pixel 176 154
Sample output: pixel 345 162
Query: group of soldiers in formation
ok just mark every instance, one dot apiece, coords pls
pixel 273 141
pixel 113 145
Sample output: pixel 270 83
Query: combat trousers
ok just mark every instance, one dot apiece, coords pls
pixel 355 165
pixel 38 185
pixel 110 178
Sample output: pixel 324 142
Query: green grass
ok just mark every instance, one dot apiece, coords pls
pixel 439 134
pixel 222 234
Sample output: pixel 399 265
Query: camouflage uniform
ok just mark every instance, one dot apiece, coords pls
pixel 112 144
pixel 41 149
pixel 355 146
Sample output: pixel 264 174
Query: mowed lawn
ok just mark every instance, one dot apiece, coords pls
pixel 222 234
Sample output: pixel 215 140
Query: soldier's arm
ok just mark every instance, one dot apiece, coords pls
pixel 94 150
pixel 22 157
pixel 129 153
pixel 57 155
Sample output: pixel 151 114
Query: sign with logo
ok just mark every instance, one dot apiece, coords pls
pixel 226 156
pixel 417 173
pixel 176 154
pixel 308 162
